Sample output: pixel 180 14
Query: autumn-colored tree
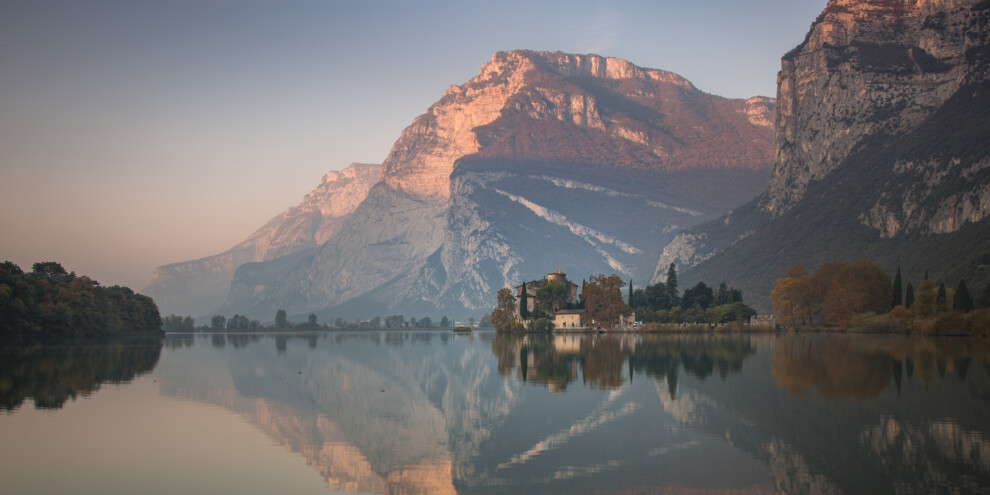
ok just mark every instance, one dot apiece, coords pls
pixel 832 295
pixel 924 302
pixel 603 300
pixel 505 309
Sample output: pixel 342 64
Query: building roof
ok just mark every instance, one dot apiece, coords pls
pixel 569 311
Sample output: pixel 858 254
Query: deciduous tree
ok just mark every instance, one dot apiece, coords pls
pixel 603 300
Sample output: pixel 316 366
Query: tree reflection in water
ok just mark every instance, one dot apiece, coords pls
pixel 861 368
pixel 51 375
pixel 554 360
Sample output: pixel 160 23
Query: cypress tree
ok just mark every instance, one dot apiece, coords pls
pixel 524 304
pixel 962 301
pixel 941 300
pixel 986 296
pixel 630 293
pixel 672 294
pixel 909 295
pixel 897 298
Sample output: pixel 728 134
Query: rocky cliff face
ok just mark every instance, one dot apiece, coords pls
pixel 523 169
pixel 881 150
pixel 200 286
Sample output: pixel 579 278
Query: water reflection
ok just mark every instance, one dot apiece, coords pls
pixel 435 412
pixel 51 375
pixel 554 360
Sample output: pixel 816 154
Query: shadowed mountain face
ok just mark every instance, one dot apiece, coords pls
pixel 544 160
pixel 881 152
pixel 198 287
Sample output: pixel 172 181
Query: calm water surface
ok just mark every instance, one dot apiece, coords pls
pixel 437 412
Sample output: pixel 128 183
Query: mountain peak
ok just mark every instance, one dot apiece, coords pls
pixel 588 95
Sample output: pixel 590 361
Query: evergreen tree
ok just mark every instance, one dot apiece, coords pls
pixel 672 295
pixel 897 298
pixel 986 296
pixel 722 294
pixel 909 295
pixel 281 320
pixel 630 293
pixel 524 304
pixel 962 301
pixel 941 300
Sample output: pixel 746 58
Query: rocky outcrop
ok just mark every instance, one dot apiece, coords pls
pixel 526 166
pixel 198 287
pixel 867 68
pixel 880 145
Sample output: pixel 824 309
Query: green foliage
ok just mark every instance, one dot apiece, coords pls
pixel 524 303
pixel 672 295
pixel 897 298
pixel 218 323
pixel 281 319
pixel 962 301
pixel 50 303
pixel 700 295
pixel 551 297
pixel 941 299
pixel 395 321
pixel 541 325
pixel 909 295
pixel 53 375
pixel 444 322
pixel 176 323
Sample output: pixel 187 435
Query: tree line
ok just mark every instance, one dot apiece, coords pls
pixel 49 302
pixel 663 303
pixel 861 295
pixel 219 323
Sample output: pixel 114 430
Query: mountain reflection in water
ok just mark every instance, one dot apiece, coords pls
pixel 438 412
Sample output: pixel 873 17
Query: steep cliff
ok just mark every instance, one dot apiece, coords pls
pixel 524 167
pixel 198 287
pixel 881 150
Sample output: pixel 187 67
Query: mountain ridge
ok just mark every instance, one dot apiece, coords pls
pixel 482 150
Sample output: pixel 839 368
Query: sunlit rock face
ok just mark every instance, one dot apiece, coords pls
pixel 867 68
pixel 198 287
pixel 528 165
pixel 881 123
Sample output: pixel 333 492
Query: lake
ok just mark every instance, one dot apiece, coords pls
pixel 439 412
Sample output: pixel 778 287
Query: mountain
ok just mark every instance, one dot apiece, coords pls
pixel 881 152
pixel 199 287
pixel 542 161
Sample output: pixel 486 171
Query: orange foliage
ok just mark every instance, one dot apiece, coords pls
pixel 832 295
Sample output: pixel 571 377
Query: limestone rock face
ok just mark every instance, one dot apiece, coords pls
pixel 200 286
pixel 881 152
pixel 867 68
pixel 525 166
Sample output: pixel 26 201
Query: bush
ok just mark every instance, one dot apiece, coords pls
pixel 951 323
pixel 541 325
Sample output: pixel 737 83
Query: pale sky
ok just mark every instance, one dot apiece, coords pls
pixel 138 133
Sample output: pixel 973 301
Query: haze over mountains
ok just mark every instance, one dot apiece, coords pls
pixel 881 153
pixel 543 161
pixel 587 164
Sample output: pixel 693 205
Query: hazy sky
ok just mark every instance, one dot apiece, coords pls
pixel 138 133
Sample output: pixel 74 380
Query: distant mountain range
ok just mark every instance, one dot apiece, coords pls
pixel 199 287
pixel 590 165
pixel 882 153
pixel 543 161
